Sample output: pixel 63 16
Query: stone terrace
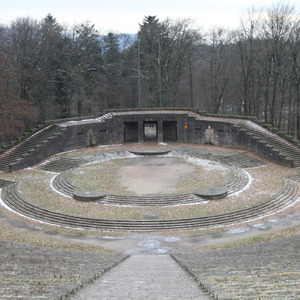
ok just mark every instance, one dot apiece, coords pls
pixel 264 271
pixel 29 272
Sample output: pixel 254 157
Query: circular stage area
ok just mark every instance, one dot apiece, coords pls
pixel 134 175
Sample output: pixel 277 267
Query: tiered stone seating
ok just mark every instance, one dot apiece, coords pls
pixel 10 159
pixel 30 272
pixel 152 200
pixel 276 146
pixel 286 197
pixel 241 160
pixel 61 164
pixel 4 183
pixel 238 180
pixel 264 271
pixel 62 184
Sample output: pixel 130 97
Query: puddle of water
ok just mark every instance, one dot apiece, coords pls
pixel 150 244
pixel 293 217
pixel 172 239
pixel 262 226
pixel 111 238
pixel 238 230
pixel 149 251
pixel 274 220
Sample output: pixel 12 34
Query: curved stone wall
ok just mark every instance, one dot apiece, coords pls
pixel 167 126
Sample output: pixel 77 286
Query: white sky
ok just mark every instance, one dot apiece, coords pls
pixel 125 16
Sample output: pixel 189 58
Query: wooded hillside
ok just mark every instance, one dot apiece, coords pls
pixel 49 71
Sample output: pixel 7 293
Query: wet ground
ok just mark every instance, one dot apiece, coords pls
pixel 153 175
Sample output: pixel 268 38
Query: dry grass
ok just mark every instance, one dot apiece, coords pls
pixel 254 240
pixel 30 232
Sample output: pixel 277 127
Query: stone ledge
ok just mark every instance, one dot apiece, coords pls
pixel 87 195
pixel 154 152
pixel 213 193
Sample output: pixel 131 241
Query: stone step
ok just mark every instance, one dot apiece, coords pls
pixel 238 181
pixel 28 147
pixel 144 277
pixel 270 270
pixel 12 198
pixel 30 272
pixel 277 144
pixel 61 164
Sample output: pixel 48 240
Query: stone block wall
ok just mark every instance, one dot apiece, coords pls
pixel 170 125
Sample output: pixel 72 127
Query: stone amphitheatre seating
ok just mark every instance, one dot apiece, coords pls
pixel 272 142
pixel 287 196
pixel 270 270
pixel 238 180
pixel 30 272
pixel 30 151
pixel 40 146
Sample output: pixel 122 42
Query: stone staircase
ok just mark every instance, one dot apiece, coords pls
pixel 264 271
pixel 238 181
pixel 241 160
pixel 105 117
pixel 61 164
pixel 194 115
pixel 16 158
pixel 286 197
pixel 276 148
pixel 4 183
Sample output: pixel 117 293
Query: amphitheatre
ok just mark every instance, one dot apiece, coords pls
pixel 175 204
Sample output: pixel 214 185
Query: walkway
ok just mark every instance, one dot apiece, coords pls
pixel 144 277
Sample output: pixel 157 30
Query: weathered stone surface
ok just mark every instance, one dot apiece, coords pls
pixel 153 152
pixel 213 193
pixel 174 126
pixel 30 272
pixel 87 195
pixel 269 270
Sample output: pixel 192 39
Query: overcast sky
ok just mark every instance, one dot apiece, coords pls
pixel 125 16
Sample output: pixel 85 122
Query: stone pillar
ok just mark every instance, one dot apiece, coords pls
pixel 140 131
pixel 160 134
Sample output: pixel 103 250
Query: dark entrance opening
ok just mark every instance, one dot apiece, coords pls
pixel 169 131
pixel 150 131
pixel 130 132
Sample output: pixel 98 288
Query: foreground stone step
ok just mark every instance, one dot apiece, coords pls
pixel 144 277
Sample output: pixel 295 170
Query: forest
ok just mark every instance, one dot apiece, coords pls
pixel 49 71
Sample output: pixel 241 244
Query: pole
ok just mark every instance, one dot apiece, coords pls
pixel 139 74
pixel 159 73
